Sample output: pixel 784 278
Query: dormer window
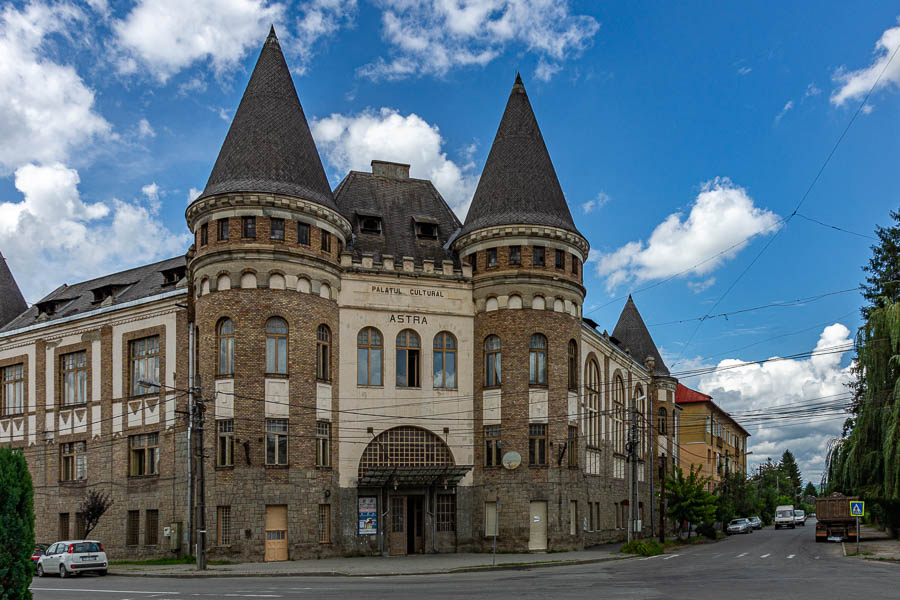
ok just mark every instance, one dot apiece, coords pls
pixel 173 275
pixel 108 292
pixel 370 225
pixel 426 228
pixel 50 307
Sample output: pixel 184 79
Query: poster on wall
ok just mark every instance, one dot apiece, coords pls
pixel 368 515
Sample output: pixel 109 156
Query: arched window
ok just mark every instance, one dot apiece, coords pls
pixel 592 404
pixel 573 365
pixel 225 335
pixel 661 424
pixel 408 353
pixel 618 414
pixel 369 357
pixel 537 360
pixel 323 353
pixel 445 360
pixel 276 346
pixel 492 361
pixel 639 414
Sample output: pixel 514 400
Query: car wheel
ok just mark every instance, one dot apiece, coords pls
pixel 40 571
pixel 62 572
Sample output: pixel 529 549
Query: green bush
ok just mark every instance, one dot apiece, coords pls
pixel 16 526
pixel 643 547
pixel 707 530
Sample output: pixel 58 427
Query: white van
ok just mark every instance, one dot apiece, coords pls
pixel 784 516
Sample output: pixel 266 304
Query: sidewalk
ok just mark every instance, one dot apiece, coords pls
pixel 417 564
pixel 877 543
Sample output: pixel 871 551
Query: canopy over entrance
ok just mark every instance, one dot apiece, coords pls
pixel 413 476
pixel 408 456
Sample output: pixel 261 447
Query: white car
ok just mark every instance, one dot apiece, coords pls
pixel 73 557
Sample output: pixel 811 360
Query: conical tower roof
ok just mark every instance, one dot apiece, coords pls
pixel 633 335
pixel 518 184
pixel 12 303
pixel 269 148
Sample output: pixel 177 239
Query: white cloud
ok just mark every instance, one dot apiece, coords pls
pixel 151 190
pixel 811 90
pixel 144 129
pixel 856 84
pixel 788 106
pixel 701 286
pixel 431 37
pixel 52 236
pixel 595 203
pixel 193 194
pixel 744 70
pixel 166 36
pixel 46 110
pixel 318 20
pixel 782 383
pixel 722 220
pixel 353 141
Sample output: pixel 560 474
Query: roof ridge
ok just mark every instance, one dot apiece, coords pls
pixel 12 302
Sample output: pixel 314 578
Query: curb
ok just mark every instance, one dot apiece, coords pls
pixel 470 569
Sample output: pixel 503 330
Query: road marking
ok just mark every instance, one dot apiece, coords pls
pixel 670 557
pixel 742 554
pixel 765 555
pixel 651 557
pixel 69 590
pixel 791 555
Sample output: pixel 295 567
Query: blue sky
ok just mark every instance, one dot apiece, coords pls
pixel 676 132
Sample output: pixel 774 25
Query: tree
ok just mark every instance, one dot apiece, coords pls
pixel 92 508
pixel 882 285
pixel 810 491
pixel 792 474
pixel 16 526
pixel 687 500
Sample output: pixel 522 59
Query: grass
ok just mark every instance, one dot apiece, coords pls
pixel 642 548
pixel 860 554
pixel 169 560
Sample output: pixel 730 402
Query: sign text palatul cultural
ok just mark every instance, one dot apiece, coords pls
pixel 413 291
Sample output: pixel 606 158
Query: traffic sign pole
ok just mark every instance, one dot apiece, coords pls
pixel 857 536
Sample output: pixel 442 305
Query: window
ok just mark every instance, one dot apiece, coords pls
pixel 537 444
pixel 225 443
pixel 428 231
pixel 560 259
pixel 64 526
pixel 276 442
pixel 446 512
pixel 572 446
pixel 303 233
pixel 619 416
pixel 13 399
pixel 661 425
pixel 74 378
pixel 324 523
pixel 591 518
pixel 276 346
pixel 223 526
pixel 248 227
pixel 323 353
pixel 225 334
pixel 222 229
pixel 537 360
pixel 515 255
pixel 73 461
pixel 326 242
pixel 80 526
pixel 592 404
pixel 491 525
pixel 445 361
pixel 151 533
pixel 573 517
pixel 473 260
pixel 576 264
pixel 144 365
pixel 323 444
pixel 573 365
pixel 492 446
pixel 369 357
pixel 144 456
pixel 492 257
pixel 370 225
pixel 396 515
pixel 408 359
pixel 276 230
pixel 492 361
pixel 537 256
pixel 132 528
pixel 204 234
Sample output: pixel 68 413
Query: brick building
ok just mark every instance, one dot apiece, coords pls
pixel 375 375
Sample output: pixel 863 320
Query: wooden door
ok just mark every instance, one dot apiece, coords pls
pixel 537 539
pixel 399 524
pixel 416 524
pixel 276 533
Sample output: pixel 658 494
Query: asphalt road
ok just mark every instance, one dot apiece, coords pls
pixel 766 564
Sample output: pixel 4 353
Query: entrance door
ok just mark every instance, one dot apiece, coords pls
pixel 276 533
pixel 415 524
pixel 399 519
pixel 537 540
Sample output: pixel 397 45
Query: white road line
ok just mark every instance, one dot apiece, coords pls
pixel 670 557
pixel 742 554
pixel 69 590
pixel 651 557
pixel 791 555
pixel 765 555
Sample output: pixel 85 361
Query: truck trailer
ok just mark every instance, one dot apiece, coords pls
pixel 833 518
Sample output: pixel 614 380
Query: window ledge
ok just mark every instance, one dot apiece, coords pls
pixel 224 467
pixel 69 406
pixel 72 482
pixel 278 467
pixel 225 376
pixel 143 477
pixel 13 415
pixel 278 375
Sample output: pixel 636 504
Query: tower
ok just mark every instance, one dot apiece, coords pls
pixel 526 255
pixel 12 303
pixel 265 269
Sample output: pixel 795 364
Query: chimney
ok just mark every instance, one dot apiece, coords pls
pixel 384 168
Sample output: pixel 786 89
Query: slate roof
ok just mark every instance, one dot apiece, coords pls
pixel 632 334
pixel 269 147
pixel 399 203
pixel 518 184
pixel 12 303
pixel 126 286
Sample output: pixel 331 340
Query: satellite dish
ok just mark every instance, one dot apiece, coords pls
pixel 512 460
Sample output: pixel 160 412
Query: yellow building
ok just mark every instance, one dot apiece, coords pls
pixel 710 438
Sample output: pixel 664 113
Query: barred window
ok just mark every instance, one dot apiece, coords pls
pixel 573 365
pixel 537 360
pixel 446 512
pixel 276 442
pixel 323 353
pixel 445 361
pixel 515 255
pixel 324 523
pixel 276 230
pixel 492 446
pixel 225 335
pixel 144 455
pixel 492 361
pixel 223 526
pixel 592 404
pixel 13 399
pixel 323 444
pixel 537 256
pixel 537 444
pixel 63 526
pixel 73 461
pixel 132 528
pixel 248 227
pixel 225 443
pixel 492 257
pixel 74 378
pixel 151 533
pixel 405 446
pixel 369 357
pixel 572 448
pixel 276 346
pixel 303 233
pixel 144 365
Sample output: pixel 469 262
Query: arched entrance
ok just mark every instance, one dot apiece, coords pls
pixel 405 466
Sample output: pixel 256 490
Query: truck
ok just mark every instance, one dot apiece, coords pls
pixel 833 519
pixel 784 516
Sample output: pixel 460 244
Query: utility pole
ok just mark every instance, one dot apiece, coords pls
pixel 201 490
pixel 662 499
pixel 632 456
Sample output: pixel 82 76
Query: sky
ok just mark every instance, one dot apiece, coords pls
pixel 685 136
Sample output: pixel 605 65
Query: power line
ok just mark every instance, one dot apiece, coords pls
pixel 862 235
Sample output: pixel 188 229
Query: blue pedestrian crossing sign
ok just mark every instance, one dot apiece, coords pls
pixel 857 507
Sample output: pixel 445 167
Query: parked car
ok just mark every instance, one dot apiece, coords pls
pixel 73 557
pixel 756 522
pixel 784 516
pixel 800 517
pixel 39 550
pixel 739 526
